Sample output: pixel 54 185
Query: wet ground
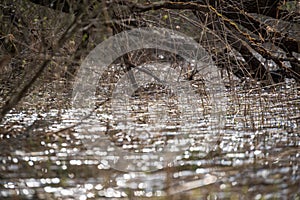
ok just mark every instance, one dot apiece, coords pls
pixel 255 155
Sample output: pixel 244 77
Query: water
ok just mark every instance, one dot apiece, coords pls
pixel 256 155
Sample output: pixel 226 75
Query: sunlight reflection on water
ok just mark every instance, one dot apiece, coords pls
pixel 257 154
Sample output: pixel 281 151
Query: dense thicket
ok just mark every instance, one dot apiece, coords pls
pixel 248 38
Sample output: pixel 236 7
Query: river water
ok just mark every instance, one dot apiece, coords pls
pixel 255 154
